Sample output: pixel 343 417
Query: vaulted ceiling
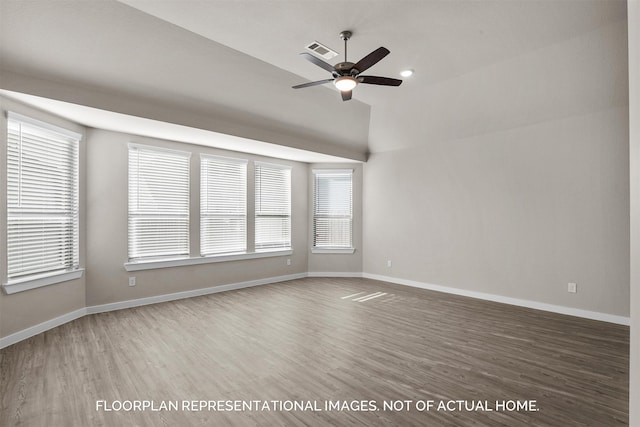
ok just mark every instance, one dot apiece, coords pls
pixel 228 66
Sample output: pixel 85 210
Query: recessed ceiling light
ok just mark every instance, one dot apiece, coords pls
pixel 406 73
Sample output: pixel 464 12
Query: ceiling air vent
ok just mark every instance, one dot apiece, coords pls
pixel 321 50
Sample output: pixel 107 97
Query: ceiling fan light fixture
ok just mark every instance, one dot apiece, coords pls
pixel 345 83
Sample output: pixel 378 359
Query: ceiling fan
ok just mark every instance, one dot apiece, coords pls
pixel 346 75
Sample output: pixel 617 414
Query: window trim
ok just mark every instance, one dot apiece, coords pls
pixel 40 280
pixel 230 160
pixel 183 153
pixel 329 249
pixel 48 126
pixel 76 271
pixel 179 262
pixel 283 167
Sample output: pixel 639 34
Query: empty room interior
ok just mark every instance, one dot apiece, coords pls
pixel 320 212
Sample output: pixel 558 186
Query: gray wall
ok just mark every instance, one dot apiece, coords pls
pixel 634 139
pixel 107 227
pixel 514 208
pixel 518 213
pixel 339 263
pixel 25 309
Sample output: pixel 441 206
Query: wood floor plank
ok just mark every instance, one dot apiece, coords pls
pixel 304 341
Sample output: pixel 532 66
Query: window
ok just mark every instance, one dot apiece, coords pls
pixel 223 205
pixel 273 206
pixel 158 203
pixel 332 210
pixel 42 199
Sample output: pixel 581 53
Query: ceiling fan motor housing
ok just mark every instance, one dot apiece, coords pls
pixel 345 69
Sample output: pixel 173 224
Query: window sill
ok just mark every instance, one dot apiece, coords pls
pixel 333 250
pixel 40 280
pixel 150 265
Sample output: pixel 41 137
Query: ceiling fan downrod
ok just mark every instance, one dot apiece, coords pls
pixel 345 35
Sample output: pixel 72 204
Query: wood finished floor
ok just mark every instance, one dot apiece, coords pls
pixel 301 340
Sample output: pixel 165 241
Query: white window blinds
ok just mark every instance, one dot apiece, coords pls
pixel 158 202
pixel 42 198
pixel 273 206
pixel 223 205
pixel 332 213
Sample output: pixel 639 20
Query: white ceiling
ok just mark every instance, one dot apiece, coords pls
pixel 481 66
pixel 441 39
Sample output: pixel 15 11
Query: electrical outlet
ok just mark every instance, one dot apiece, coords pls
pixel 389 263
pixel 288 261
pixel 132 281
pixel 572 288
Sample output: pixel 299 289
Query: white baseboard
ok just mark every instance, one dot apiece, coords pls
pixel 42 327
pixel 189 294
pixel 594 315
pixel 50 324
pixel 334 274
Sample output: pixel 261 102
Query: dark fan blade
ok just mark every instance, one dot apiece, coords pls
pixel 346 95
pixel 371 59
pixel 319 82
pixel 320 63
pixel 375 80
